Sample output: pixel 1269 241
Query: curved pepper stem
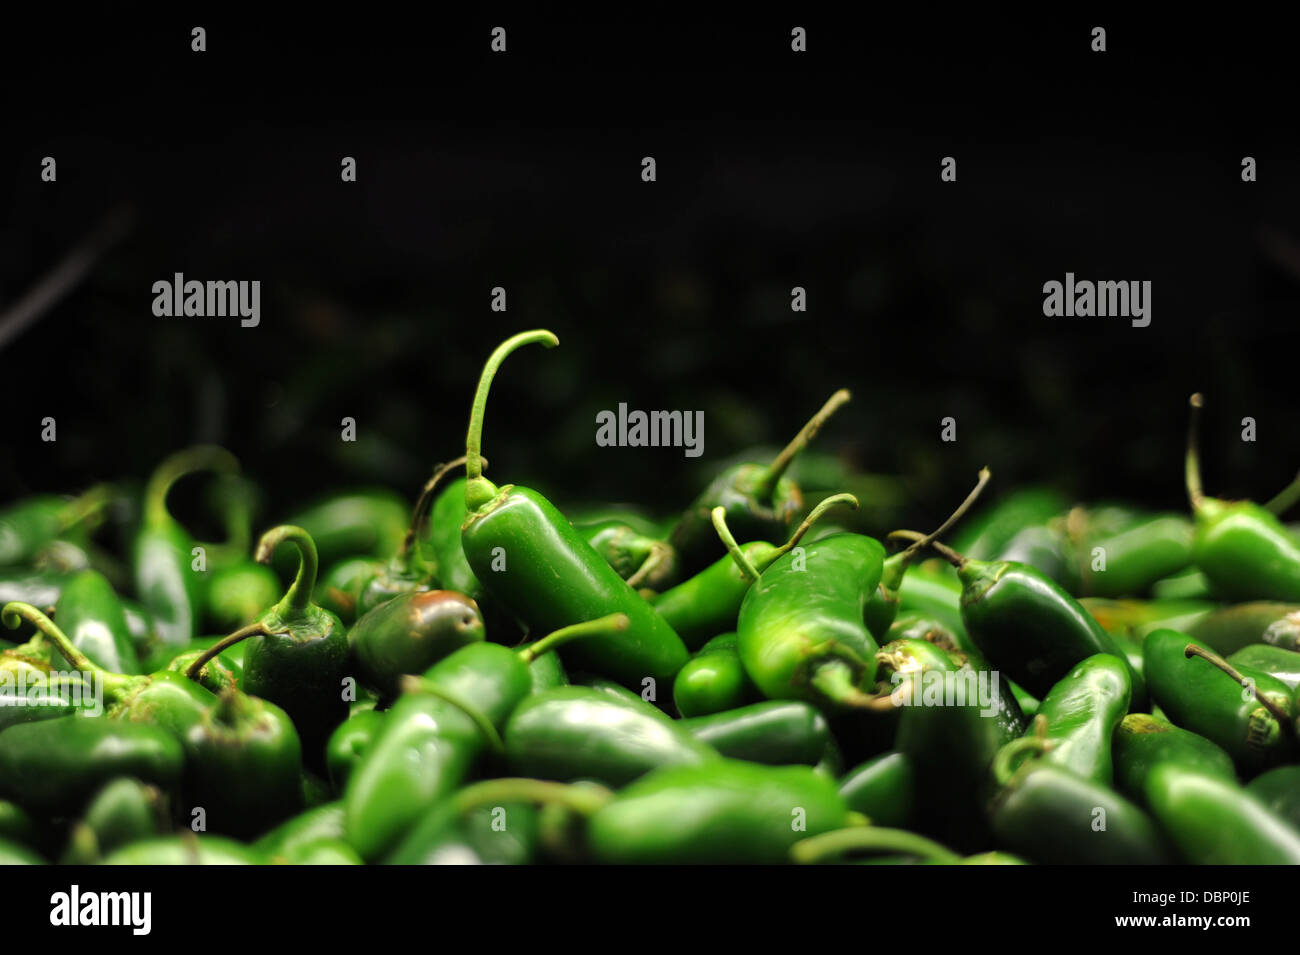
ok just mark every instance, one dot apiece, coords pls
pixel 767 485
pixel 943 550
pixel 583 799
pixel 243 633
pixel 816 848
pixel 909 553
pixel 1192 460
pixel 478 490
pixel 747 569
pixel 1005 766
pixel 203 457
pixel 298 597
pixel 611 623
pixel 87 504
pixel 420 514
pixel 659 552
pixel 419 684
pixel 1286 498
pixel 15 612
pixel 813 517
pixel 1276 711
pixel 834 680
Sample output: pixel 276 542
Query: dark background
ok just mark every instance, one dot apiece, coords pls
pixel 775 169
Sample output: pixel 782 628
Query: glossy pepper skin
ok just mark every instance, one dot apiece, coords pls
pixel 289 838
pixel 1241 547
pixel 124 811
pixel 339 590
pixel 519 546
pixel 1281 664
pixel 577 732
pixel 1199 697
pixel 244 765
pixel 349 743
pixel 988 533
pixel 445 520
pixel 1026 625
pixel 504 834
pixel 433 736
pixel 33 523
pixel 1128 561
pixel 1216 822
pixel 1082 712
pixel 52 767
pixel 363 523
pixel 882 789
pixel 713 680
pixel 238 593
pixel 546 671
pixel 410 633
pixel 1142 742
pixel 759 501
pixel 187 848
pixel 166 581
pixel 775 732
pixel 89 612
pixel 801 633
pixel 640 559
pixel 726 811
pixel 1048 814
pixel 1279 790
pixel 1233 628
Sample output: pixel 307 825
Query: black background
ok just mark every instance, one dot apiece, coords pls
pixel 775 169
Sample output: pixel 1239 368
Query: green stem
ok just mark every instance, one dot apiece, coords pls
pixel 659 552
pixel 609 624
pixel 298 597
pixel 1285 498
pixel 422 504
pixel 15 612
pixel 584 800
pixel 817 848
pixel 943 550
pixel 1279 714
pixel 203 457
pixel 419 684
pixel 953 518
pixel 90 502
pixel 478 491
pixel 1003 770
pixel 834 680
pixel 767 485
pixel 747 569
pixel 1192 462
pixel 243 633
pixel 813 517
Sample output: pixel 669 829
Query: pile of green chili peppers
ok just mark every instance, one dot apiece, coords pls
pixel 475 677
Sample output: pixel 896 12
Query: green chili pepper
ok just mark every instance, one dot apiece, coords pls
pixel 713 680
pixel 1082 712
pixel 124 811
pixel 244 765
pixel 1233 628
pixel 709 603
pixel 520 546
pixel 1134 619
pixel 1047 549
pixel 776 732
pixel 1276 662
pixel 166 579
pixel 35 522
pixel 448 514
pixel 293 836
pixel 1279 790
pixel 219 673
pixel 883 606
pixel 1190 584
pixel 505 834
pixel 40 589
pixel 1131 560
pixel 1215 822
pixel 364 523
pixel 185 849
pixel 641 559
pixel 883 789
pixel 576 732
pixel 953 718
pixel 323 852
pixel 433 735
pixel 349 742
pixel 1025 624
pixel 546 671
pixel 408 571
pixel 340 589
pixel 1254 725
pixel 238 593
pixel 1052 815
pixel 91 615
pixel 297 655
pixel 759 502
pixel 723 811
pixel 1242 548
pixel 410 633
pixel 1142 742
pixel 988 533
pixel 801 631
pixel 13 854
pixel 52 767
